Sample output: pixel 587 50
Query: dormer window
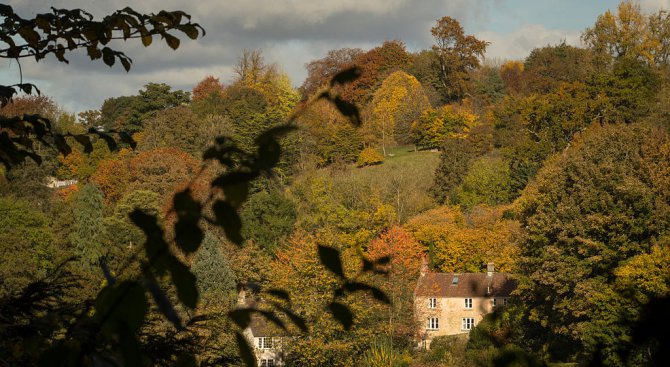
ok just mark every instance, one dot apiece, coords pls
pixel 454 280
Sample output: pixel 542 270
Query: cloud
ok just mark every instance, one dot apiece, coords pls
pixel 290 33
pixel 520 42
pixel 654 5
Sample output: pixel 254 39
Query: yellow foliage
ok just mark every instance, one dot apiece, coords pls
pixel 465 243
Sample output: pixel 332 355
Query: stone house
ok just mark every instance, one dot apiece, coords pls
pixel 454 303
pixel 267 342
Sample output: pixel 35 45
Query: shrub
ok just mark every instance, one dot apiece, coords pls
pixel 369 157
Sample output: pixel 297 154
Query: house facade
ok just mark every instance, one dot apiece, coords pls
pixel 454 303
pixel 266 341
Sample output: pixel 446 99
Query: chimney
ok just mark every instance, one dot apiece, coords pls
pixel 424 265
pixel 490 269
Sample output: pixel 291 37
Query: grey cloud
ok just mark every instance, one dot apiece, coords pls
pixel 290 33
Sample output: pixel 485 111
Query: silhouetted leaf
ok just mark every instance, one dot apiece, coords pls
pixel 85 142
pixel 185 282
pixel 269 154
pixel 236 193
pixel 295 318
pixel 232 178
pixel 162 301
pixel 376 292
pixel 345 76
pixel 349 110
pixel 241 317
pixel 270 316
pixel 124 303
pixel 245 350
pixel 274 133
pixel 279 293
pixel 227 217
pixel 383 260
pixel 155 245
pixel 330 258
pixel 188 234
pixel 172 41
pixel 108 56
pixel 126 138
pixel 342 314
pixel 186 360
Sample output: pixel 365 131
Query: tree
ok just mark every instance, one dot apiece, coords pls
pixel 460 241
pixel 456 54
pixel 268 219
pixel 216 281
pixel 435 126
pixel 455 159
pixel 548 67
pixel 394 106
pixel 209 85
pixel 590 214
pixel 625 34
pixel 319 72
pixel 486 183
pixel 89 231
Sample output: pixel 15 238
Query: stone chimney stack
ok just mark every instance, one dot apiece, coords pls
pixel 424 265
pixel 490 269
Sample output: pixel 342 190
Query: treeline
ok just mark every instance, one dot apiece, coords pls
pixel 554 167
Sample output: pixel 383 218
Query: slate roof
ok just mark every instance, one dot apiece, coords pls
pixel 468 285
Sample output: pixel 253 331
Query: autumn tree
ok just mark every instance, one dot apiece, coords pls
pixel 465 242
pixel 405 253
pixel 394 106
pixel 547 67
pixel 205 87
pixel 375 65
pixel 457 54
pixel 590 214
pixel 320 71
pixel 434 126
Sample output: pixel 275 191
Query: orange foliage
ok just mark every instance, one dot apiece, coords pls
pixel 206 87
pixel 112 177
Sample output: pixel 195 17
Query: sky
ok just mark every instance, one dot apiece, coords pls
pixel 292 33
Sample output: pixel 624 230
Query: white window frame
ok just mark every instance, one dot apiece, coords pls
pixel 433 323
pixel 467 323
pixel 267 362
pixel 265 342
pixel 468 303
pixel 432 302
pixel 494 302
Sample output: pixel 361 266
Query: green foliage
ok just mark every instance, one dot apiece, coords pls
pixel 129 113
pixel 448 350
pixel 268 219
pixel 27 251
pixel 369 157
pixel 455 161
pixel 547 67
pixel 216 282
pixel 89 230
pixel 487 182
pixel 383 354
pixel 590 212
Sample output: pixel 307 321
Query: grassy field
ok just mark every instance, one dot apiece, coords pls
pixel 402 181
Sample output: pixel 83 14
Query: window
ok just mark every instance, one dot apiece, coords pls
pixel 432 302
pixel 433 323
pixel 468 303
pixel 468 323
pixel 504 301
pixel 265 343
pixel 454 280
pixel 493 301
pixel 267 363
